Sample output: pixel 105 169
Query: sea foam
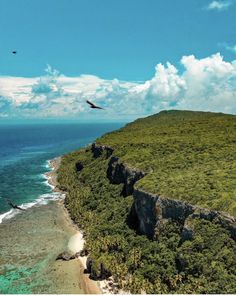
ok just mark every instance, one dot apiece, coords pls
pixel 41 200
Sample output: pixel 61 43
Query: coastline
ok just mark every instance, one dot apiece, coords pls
pixel 51 175
pixel 77 240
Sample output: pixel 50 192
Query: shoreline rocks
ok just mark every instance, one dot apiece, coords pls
pixel 67 256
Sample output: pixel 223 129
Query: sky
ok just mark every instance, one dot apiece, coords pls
pixel 132 57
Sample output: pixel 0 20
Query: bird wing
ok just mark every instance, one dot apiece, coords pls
pixel 89 102
pixel 17 207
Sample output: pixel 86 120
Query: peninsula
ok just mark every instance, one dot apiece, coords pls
pixel 156 203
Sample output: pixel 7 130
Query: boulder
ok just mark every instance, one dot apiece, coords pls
pixel 66 256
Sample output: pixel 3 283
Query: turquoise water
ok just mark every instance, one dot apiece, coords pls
pixel 30 240
pixel 25 149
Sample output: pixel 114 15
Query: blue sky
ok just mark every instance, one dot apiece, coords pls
pixel 121 41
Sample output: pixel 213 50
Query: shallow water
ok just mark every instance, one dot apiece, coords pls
pixel 29 244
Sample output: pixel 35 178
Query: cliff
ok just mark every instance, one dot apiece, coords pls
pixel 152 210
pixel 186 156
pixel 156 203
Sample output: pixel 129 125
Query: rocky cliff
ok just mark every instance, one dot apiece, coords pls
pixel 152 211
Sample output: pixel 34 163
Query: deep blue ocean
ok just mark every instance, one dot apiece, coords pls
pixel 25 150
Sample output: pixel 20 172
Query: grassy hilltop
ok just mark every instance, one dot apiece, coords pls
pixel 187 155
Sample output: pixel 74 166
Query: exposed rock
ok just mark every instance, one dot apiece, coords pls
pixel 151 211
pixel 145 207
pixel 228 222
pixel 89 263
pixel 117 173
pixel 104 272
pixel 175 209
pixel 66 256
pixel 204 214
pixel 83 252
pixel 188 229
pixel 98 150
pixel 132 218
pixel 99 273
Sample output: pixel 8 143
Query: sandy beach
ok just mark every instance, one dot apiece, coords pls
pixel 76 242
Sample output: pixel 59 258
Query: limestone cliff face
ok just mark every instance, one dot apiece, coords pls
pixel 152 211
pixel 117 173
pixel 99 150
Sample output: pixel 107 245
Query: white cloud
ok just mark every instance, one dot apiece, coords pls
pixel 205 84
pixel 219 5
pixel 211 84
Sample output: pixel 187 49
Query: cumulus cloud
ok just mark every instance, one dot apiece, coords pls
pixel 205 84
pixel 211 84
pixel 219 5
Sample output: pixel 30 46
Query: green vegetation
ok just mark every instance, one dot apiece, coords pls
pixel 187 155
pixel 161 143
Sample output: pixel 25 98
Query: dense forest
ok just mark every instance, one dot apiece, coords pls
pixel 194 152
pixel 187 155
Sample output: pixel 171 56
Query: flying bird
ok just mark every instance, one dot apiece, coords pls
pixel 14 206
pixel 14 52
pixel 93 106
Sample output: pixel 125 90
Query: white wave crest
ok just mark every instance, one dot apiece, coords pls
pixel 42 200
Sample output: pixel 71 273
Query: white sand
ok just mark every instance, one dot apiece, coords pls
pixel 76 244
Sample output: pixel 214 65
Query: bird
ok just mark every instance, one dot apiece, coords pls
pixel 93 106
pixel 14 206
pixel 14 52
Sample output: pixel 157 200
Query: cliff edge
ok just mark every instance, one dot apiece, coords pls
pixel 156 201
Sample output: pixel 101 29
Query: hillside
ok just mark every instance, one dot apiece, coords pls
pixel 186 155
pixel 134 194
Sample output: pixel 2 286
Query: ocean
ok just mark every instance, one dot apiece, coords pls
pixel 29 239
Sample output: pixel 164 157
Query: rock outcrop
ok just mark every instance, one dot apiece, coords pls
pixel 97 273
pixel 67 256
pixel 151 210
pixel 99 150
pixel 118 173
